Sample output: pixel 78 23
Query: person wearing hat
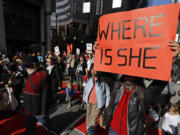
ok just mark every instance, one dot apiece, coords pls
pixel 35 95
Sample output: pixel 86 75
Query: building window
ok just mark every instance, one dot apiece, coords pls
pixel 99 7
pixel 86 7
pixel 116 3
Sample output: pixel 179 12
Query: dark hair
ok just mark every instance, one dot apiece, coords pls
pixel 12 66
pixel 176 107
pixel 137 81
pixel 103 76
pixel 53 60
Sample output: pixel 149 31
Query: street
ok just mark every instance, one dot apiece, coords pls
pixel 62 119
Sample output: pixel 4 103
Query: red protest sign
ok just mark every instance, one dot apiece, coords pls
pixel 136 42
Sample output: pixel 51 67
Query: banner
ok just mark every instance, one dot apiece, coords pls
pixel 56 50
pixel 89 47
pixel 136 42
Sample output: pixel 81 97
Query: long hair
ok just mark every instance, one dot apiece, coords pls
pixel 138 81
pixel 103 77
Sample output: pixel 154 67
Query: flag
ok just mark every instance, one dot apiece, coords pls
pixel 62 15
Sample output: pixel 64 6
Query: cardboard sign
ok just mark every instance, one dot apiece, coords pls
pixel 89 47
pixel 77 51
pixel 56 50
pixel 136 42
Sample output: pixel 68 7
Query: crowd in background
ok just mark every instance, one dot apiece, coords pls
pixel 128 105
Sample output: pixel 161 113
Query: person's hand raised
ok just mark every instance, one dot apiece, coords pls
pixel 175 47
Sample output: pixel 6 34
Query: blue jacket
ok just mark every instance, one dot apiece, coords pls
pixel 71 91
pixel 102 93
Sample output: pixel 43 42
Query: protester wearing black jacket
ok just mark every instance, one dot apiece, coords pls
pixel 139 98
pixel 36 94
pixel 15 80
pixel 72 67
pixel 54 74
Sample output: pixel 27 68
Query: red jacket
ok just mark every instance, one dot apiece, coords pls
pixel 35 97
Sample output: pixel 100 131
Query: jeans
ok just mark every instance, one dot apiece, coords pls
pixel 111 131
pixel 91 131
pixel 40 120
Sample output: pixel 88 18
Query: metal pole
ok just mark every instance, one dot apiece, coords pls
pixel 47 24
pixel 56 31
pixel 2 29
pixel 45 31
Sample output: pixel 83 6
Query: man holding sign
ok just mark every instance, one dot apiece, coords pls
pixel 135 43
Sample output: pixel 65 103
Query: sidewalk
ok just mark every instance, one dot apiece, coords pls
pixel 62 118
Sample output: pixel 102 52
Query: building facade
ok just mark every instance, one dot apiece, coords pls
pixel 26 25
pixel 102 7
pixel 80 28
pixel 69 24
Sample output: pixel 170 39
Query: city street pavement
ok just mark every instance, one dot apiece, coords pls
pixel 63 119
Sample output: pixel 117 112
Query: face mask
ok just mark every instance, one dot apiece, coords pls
pixel 30 71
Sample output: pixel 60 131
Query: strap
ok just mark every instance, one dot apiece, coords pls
pixel 32 84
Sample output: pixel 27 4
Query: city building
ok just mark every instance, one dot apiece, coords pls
pixel 101 7
pixel 76 21
pixel 26 25
pixel 69 24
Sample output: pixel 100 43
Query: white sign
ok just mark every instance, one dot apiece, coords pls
pixel 56 50
pixel 86 7
pixel 116 3
pixel 77 51
pixel 89 47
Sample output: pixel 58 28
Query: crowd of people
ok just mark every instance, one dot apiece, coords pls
pixel 128 105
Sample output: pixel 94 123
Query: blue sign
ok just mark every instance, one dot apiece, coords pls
pixel 158 2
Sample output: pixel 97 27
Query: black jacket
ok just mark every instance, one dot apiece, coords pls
pixel 36 96
pixel 81 68
pixel 55 78
pixel 17 82
pixel 138 99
